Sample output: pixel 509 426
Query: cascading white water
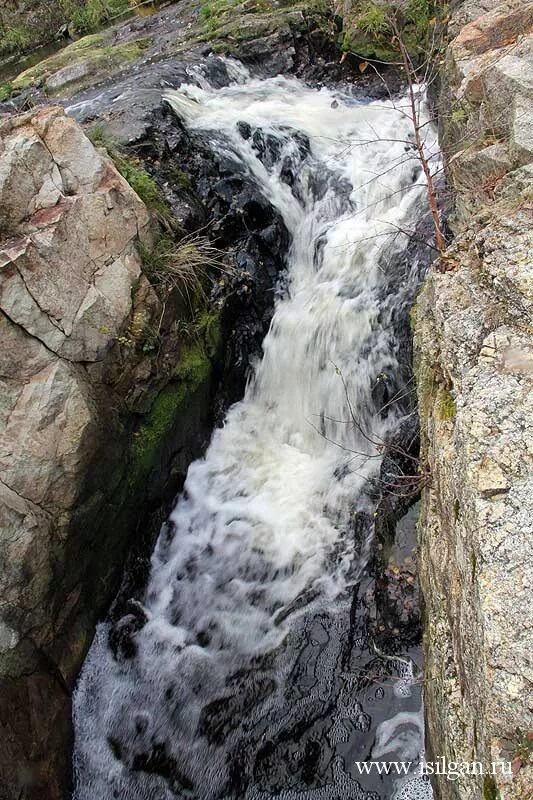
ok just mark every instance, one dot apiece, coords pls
pixel 263 533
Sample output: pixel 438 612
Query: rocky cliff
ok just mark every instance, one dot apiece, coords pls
pixel 79 456
pixel 474 343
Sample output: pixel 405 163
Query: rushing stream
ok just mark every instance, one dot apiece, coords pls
pixel 252 676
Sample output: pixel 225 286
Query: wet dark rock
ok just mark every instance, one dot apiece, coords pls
pixel 394 594
pixel 384 390
pixel 122 633
pixel 156 761
pixel 225 714
pixel 241 221
pixel 399 621
pixel 121 637
pixel 244 129
pixel 267 147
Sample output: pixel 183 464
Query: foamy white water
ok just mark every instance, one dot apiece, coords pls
pixel 263 536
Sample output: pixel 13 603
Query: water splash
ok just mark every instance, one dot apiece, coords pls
pixel 241 679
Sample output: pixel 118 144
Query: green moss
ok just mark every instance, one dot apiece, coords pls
pixel 101 57
pixel 179 179
pixel 210 331
pixel 6 90
pixel 192 372
pixel 447 408
pixel 94 13
pixel 365 49
pixel 194 366
pixel 490 790
pixel 216 13
pixel 138 178
pixel 412 317
pixel 15 40
pixel 156 426
pixel 242 21
pixel 369 29
pixel 142 183
pixel 373 21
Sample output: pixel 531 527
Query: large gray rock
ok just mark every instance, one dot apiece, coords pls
pixel 475 373
pixel 71 481
pixel 491 25
pixel 474 350
pixel 68 265
pixel 521 139
pixel 489 65
pixel 68 75
pixel 67 277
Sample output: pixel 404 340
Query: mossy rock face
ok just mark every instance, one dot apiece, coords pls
pixel 210 326
pixel 360 44
pixel 91 56
pixel 370 25
pixel 170 407
pixel 245 21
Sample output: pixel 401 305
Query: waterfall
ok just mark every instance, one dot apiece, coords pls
pixel 245 681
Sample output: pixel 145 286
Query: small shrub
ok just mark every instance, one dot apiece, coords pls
pixel 93 13
pixel 368 29
pixel 459 115
pixel 183 266
pixel 15 40
pixel 99 136
pixel 373 21
pixel 143 184
pixel 212 13
pixel 6 90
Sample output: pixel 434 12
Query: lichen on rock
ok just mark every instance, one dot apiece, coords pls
pixel 90 58
pixel 474 351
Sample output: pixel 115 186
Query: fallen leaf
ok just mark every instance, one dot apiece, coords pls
pixel 363 65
